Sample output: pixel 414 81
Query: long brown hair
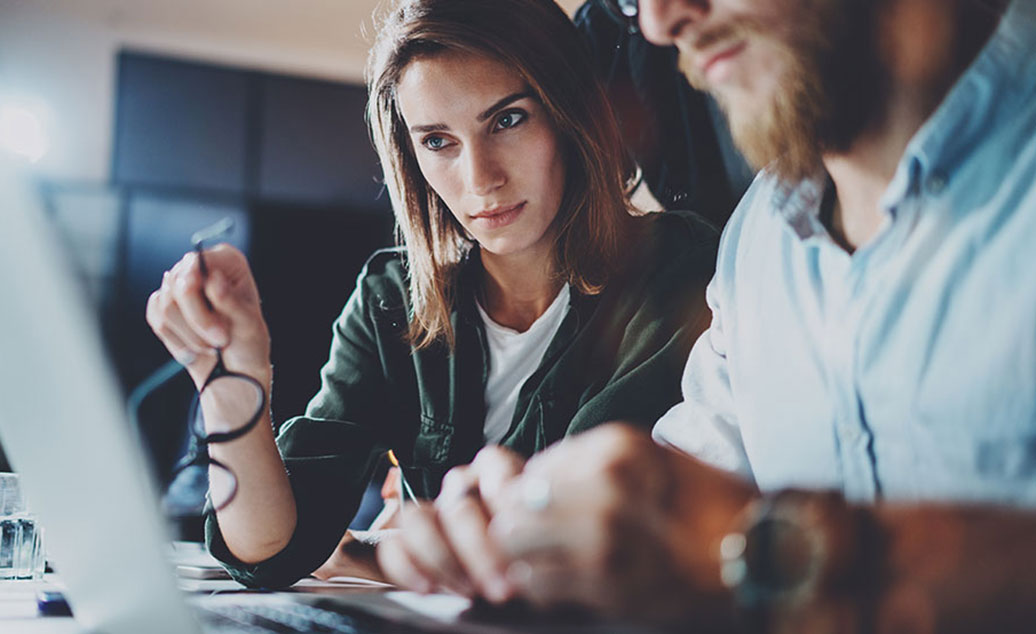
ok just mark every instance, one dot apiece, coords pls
pixel 537 40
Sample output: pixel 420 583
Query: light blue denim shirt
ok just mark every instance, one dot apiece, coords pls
pixel 907 370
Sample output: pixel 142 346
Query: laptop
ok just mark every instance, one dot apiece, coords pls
pixel 65 429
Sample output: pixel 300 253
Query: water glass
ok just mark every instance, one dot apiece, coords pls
pixel 21 537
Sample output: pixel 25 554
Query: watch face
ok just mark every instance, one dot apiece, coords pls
pixel 775 562
pixel 795 545
pixel 780 557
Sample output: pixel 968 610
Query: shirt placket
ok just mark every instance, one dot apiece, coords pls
pixel 844 299
pixel 845 302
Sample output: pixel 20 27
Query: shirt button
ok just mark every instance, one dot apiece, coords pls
pixel 849 433
pixel 936 184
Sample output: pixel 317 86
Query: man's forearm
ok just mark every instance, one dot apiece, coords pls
pixel 815 564
pixel 957 569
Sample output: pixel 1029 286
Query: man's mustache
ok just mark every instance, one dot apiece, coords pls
pixel 695 46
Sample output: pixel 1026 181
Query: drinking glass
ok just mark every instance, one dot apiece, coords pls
pixel 21 537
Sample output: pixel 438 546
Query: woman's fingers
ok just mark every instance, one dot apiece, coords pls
pixel 465 524
pixel 430 550
pixel 164 316
pixel 195 315
pixel 231 288
pixel 192 303
pixel 398 567
pixel 180 351
pixel 463 509
pixel 448 543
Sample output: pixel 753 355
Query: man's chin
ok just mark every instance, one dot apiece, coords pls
pixel 748 120
pixel 772 125
pixel 742 110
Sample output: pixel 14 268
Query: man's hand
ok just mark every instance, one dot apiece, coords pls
pixel 446 545
pixel 192 331
pixel 611 521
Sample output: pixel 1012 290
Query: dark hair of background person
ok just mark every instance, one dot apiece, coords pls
pixel 676 134
pixel 538 41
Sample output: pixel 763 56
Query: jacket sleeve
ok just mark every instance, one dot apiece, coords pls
pixel 655 316
pixel 330 452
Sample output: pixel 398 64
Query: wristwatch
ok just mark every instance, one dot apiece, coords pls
pixel 794 548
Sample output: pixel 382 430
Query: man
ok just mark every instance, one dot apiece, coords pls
pixel 873 335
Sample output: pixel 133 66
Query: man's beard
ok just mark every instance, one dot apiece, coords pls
pixel 831 92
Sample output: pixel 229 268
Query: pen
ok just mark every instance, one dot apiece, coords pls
pixel 404 485
pixel 217 230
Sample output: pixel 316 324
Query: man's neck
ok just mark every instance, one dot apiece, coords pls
pixel 862 174
pixel 926 46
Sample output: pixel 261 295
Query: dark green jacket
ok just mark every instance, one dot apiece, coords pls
pixel 618 355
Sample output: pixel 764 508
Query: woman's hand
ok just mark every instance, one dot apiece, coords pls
pixel 192 331
pixel 446 545
pixel 194 316
pixel 354 557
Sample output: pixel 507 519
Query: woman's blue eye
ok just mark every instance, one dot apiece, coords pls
pixel 510 119
pixel 434 143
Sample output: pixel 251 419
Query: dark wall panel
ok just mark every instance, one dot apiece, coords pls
pixel 180 124
pixel 308 268
pixel 315 147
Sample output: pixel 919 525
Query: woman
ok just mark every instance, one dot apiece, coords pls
pixel 526 303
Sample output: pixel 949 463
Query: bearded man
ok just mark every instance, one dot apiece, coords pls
pixel 856 447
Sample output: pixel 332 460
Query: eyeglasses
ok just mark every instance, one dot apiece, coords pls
pixel 625 10
pixel 227 406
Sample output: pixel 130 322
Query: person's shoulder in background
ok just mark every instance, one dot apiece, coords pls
pixel 676 135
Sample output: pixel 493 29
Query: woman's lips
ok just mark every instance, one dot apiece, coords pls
pixel 499 217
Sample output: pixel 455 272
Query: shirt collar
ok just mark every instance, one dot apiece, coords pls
pixel 996 84
pixel 799 204
pixel 1000 78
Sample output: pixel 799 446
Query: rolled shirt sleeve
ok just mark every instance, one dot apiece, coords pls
pixel 704 423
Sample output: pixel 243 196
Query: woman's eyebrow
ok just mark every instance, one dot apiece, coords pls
pixel 434 127
pixel 485 114
pixel 509 99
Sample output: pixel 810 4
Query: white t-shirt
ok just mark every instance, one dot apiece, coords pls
pixel 513 357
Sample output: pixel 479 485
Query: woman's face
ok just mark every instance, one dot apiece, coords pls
pixel 486 146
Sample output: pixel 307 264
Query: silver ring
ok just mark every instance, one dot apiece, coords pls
pixel 536 494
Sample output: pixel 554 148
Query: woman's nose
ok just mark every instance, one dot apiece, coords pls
pixel 484 172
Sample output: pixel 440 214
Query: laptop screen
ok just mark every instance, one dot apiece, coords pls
pixel 64 428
